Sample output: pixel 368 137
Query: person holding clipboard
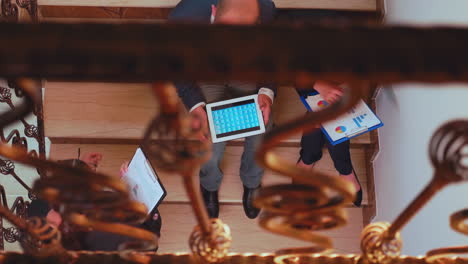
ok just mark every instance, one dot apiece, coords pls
pixel 313 142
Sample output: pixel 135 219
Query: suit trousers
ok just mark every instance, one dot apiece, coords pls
pixel 250 173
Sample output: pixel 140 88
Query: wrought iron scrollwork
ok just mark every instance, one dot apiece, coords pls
pixel 9 11
pixel 14 138
pixel 314 202
pixel 30 6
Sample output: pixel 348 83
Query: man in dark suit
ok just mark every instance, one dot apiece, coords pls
pixel 196 95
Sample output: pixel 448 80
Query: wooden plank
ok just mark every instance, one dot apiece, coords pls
pixel 74 20
pixel 178 222
pixel 231 188
pixel 122 111
pixel 97 110
pixel 355 5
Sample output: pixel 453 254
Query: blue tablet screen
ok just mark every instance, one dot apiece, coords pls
pixel 235 118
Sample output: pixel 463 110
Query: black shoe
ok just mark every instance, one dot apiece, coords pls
pixel 247 200
pixel 357 202
pixel 211 202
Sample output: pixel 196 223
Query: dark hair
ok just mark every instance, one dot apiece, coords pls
pixel 39 207
pixel 76 163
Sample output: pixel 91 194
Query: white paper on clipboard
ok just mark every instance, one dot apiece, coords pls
pixel 143 181
pixel 356 121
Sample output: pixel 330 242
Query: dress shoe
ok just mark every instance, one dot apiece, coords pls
pixel 211 202
pixel 247 200
pixel 357 202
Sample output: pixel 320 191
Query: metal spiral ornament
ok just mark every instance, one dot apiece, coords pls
pixel 169 139
pixel 459 221
pixel 211 250
pixel 448 153
pixel 42 238
pixel 171 144
pixel 12 234
pixel 86 198
pixel 317 199
pixel 376 247
pixel 37 237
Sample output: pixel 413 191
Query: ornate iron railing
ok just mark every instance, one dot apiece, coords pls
pixel 18 137
pixel 159 52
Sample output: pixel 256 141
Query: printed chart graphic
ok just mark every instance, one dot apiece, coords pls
pixel 322 103
pixel 360 119
pixel 340 129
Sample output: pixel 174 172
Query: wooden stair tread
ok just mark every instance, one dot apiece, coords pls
pixel 351 5
pixel 77 111
pixel 231 188
pixel 179 221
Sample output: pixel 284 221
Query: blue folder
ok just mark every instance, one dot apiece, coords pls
pixel 304 94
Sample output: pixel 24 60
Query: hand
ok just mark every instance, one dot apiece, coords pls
pixel 123 169
pixel 330 91
pixel 54 218
pixel 200 123
pixel 264 102
pixel 92 159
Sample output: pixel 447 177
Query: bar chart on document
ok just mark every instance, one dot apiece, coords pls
pixel 360 119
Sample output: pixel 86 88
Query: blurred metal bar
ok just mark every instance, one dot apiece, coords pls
pixel 280 53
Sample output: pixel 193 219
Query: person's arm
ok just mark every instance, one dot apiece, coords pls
pixel 190 94
pixel 266 95
pixel 194 101
pixel 330 91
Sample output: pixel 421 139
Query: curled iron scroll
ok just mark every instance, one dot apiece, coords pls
pixel 316 199
pixel 100 200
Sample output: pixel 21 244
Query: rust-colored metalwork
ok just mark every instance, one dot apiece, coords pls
pixel 99 199
pixel 132 53
pixel 211 239
pixel 12 234
pixel 316 199
pixel 30 6
pixel 9 11
pixel 458 221
pixel 14 137
pixel 380 242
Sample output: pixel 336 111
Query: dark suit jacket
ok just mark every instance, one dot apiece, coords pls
pixel 199 11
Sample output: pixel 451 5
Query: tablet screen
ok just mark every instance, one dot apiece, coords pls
pixel 235 118
pixel 143 182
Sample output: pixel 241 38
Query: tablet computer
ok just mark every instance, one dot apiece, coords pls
pixel 235 118
pixel 143 182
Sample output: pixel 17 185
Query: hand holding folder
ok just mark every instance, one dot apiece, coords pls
pixel 357 121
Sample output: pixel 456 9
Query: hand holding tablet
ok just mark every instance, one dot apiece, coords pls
pixel 235 118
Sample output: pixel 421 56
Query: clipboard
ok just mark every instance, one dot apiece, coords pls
pixel 143 182
pixel 357 121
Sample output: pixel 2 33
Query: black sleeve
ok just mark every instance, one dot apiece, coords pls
pixel 306 92
pixel 153 225
pixel 194 11
pixel 189 93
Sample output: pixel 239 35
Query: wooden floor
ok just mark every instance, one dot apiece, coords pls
pixel 122 111
pixel 231 188
pixel 110 118
pixel 178 223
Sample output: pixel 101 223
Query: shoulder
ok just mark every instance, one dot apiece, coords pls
pixel 198 11
pixel 267 10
